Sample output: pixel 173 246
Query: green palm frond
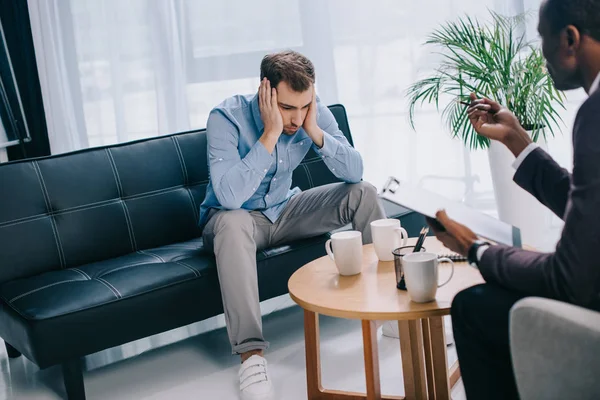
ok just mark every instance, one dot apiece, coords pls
pixel 494 61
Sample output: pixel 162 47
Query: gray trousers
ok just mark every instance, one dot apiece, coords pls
pixel 236 235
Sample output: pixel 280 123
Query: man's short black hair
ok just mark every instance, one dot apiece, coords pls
pixel 583 14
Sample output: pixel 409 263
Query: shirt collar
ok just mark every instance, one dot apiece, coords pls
pixel 595 85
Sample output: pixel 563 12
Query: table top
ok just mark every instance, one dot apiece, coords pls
pixel 372 294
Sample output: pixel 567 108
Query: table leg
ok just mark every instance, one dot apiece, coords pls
pixel 314 387
pixel 369 329
pixel 454 374
pixel 428 358
pixel 313 356
pixel 439 358
pixel 413 362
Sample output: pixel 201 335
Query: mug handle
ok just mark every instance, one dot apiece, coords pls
pixel 329 250
pixel 441 260
pixel 403 236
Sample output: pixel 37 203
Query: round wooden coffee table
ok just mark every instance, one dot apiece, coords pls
pixel 371 296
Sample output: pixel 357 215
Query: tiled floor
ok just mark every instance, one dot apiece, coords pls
pixel 201 367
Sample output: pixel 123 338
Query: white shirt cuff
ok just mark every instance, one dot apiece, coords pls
pixel 531 147
pixel 480 252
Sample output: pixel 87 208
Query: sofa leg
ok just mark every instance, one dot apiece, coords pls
pixel 12 352
pixel 73 378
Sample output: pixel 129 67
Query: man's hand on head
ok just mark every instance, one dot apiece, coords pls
pixel 310 122
pixel 270 115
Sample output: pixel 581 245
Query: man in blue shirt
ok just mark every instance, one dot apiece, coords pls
pixel 254 144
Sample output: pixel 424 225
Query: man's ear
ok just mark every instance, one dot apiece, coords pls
pixel 572 36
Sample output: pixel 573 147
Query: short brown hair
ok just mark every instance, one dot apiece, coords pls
pixel 288 66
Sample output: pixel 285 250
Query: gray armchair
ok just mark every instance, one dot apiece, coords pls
pixel 555 349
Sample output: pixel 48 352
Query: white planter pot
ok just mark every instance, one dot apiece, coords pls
pixel 515 205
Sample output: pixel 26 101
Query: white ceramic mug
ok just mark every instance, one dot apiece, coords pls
pixel 346 250
pixel 421 275
pixel 387 236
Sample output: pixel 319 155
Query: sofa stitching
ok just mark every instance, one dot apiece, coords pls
pixel 81 273
pixel 115 172
pixel 92 205
pixel 129 225
pixel 181 161
pixel 30 317
pixel 146 252
pixel 40 288
pixel 123 267
pixel 186 177
pixel 61 255
pixel 111 287
pixel 310 181
pixel 194 270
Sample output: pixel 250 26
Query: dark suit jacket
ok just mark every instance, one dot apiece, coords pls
pixel 572 272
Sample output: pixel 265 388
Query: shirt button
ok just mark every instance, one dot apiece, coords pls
pixel 333 169
pixel 280 161
pixel 266 170
pixel 322 156
pixel 253 188
pixel 267 196
pixel 220 159
pixel 274 179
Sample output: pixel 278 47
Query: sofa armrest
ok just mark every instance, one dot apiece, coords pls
pixel 555 350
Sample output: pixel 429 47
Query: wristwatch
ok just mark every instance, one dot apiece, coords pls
pixel 472 255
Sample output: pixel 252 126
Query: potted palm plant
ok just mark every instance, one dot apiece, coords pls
pixel 495 61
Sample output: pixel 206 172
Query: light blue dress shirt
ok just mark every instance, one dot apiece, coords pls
pixel 242 172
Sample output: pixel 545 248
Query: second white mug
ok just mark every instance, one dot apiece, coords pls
pixel 387 236
pixel 346 250
pixel 421 275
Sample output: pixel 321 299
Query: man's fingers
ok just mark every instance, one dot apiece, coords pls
pixel 267 93
pixel 477 114
pixel 435 225
pixel 480 111
pixel 263 92
pixel 274 98
pixel 477 118
pixel 479 107
pixel 494 107
pixel 443 219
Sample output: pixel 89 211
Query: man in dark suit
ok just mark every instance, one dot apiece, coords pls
pixel 570 31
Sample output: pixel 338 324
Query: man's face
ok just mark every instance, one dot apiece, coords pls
pixel 560 50
pixel 293 106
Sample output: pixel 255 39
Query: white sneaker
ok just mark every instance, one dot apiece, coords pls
pixel 254 380
pixel 390 329
pixel 449 332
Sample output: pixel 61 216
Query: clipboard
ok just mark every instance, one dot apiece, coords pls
pixel 428 203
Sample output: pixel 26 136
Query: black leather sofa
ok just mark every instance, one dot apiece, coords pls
pixel 101 247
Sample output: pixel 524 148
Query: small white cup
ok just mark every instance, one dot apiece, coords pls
pixel 421 275
pixel 387 236
pixel 346 249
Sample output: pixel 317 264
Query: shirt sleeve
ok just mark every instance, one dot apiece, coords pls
pixel 234 179
pixel 343 160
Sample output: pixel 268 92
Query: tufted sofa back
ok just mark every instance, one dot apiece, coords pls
pixel 73 209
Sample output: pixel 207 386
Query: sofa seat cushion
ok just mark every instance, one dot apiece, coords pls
pixel 69 290
pixel 50 330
